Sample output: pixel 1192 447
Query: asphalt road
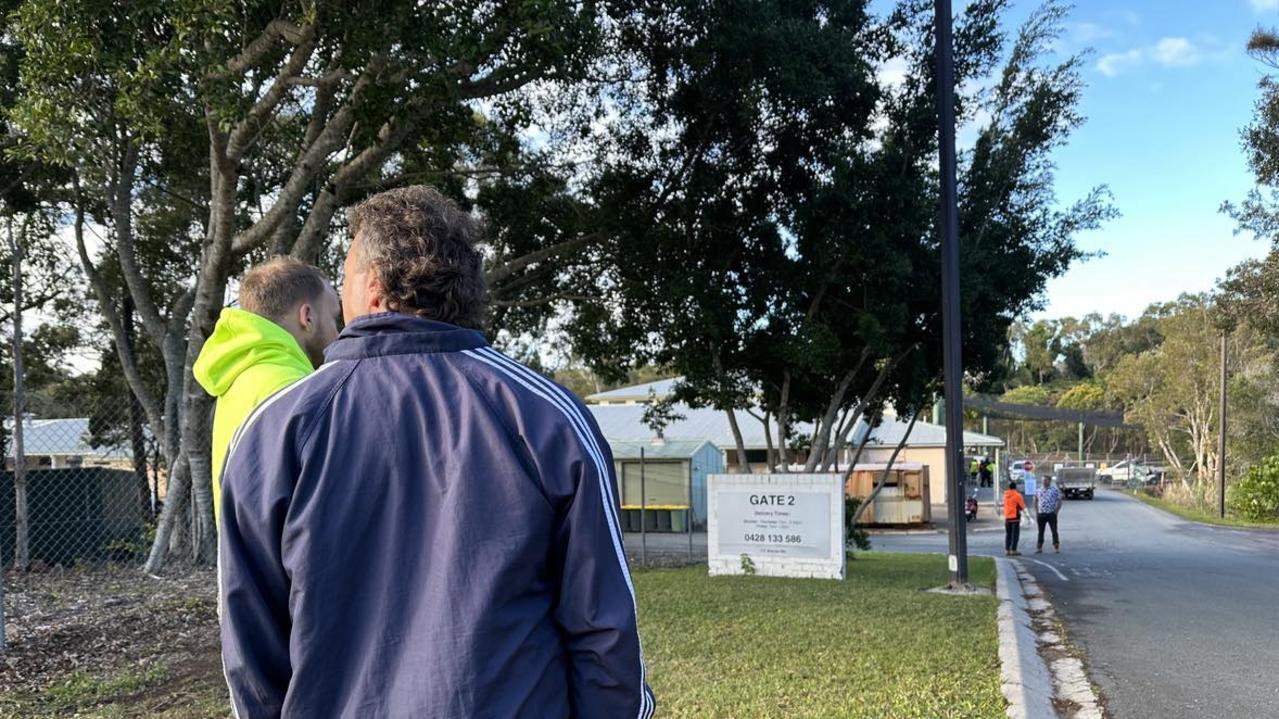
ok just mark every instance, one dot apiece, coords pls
pixel 1177 619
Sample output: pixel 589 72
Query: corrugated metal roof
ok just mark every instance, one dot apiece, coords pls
pixel 927 434
pixel 623 449
pixel 624 423
pixel 61 437
pixel 637 393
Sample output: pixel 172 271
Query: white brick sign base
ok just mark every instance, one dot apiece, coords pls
pixel 786 525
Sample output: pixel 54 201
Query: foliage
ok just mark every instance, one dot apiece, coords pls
pixel 859 538
pixel 1029 394
pixel 1258 212
pixel 1173 390
pixel 1083 396
pixel 659 413
pixel 793 264
pixel 1256 496
pixel 204 136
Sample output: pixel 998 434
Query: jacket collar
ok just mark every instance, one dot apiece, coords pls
pixel 393 333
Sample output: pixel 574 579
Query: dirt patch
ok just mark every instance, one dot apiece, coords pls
pixel 73 634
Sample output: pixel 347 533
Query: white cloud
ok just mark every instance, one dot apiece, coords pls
pixel 1110 65
pixel 893 72
pixel 1169 52
pixel 1263 5
pixel 1176 51
pixel 1089 32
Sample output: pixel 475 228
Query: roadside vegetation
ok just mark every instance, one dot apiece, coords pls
pixel 1197 514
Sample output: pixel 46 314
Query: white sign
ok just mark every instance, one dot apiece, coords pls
pixel 788 525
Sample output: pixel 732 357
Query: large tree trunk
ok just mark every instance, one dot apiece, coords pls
pixel 768 443
pixel 743 467
pixel 137 437
pixel 865 402
pixel 821 436
pixel 175 499
pixel 783 423
pixel 883 478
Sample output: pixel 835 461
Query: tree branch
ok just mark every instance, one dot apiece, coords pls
pixel 128 359
pixel 500 272
pixel 308 167
pixel 558 296
pixel 122 218
pixel 252 53
pixel 248 129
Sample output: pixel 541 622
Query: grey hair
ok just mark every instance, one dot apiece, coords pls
pixel 423 250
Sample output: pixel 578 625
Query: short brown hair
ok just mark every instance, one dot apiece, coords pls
pixel 277 286
pixel 423 250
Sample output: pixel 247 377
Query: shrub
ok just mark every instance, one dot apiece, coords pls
pixel 1256 496
pixel 859 538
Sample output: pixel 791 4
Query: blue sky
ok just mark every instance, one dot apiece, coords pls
pixel 1169 88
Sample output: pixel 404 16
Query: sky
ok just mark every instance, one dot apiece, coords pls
pixel 1169 87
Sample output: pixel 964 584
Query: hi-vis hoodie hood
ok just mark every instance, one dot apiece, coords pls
pixel 247 359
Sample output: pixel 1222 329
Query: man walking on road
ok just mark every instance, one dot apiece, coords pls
pixel 1047 503
pixel 1014 505
pixel 424 527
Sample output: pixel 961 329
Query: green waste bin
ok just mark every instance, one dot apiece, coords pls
pixel 679 517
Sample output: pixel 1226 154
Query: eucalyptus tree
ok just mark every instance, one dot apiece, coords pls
pixel 257 122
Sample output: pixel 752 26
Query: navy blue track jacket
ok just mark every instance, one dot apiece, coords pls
pixel 425 528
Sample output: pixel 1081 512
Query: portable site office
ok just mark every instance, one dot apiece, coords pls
pixel 672 477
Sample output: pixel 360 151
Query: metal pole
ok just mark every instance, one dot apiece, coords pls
pixel 951 360
pixel 1081 441
pixel 688 515
pixel 17 411
pixel 1221 439
pixel 643 519
pixel 21 544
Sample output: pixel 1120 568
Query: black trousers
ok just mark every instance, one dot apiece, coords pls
pixel 1012 533
pixel 1048 519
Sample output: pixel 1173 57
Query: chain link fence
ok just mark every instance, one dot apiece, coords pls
pixel 78 491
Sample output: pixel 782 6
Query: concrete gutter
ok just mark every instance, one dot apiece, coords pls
pixel 1040 674
pixel 1024 677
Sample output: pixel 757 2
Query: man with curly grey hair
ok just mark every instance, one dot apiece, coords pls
pixel 424 527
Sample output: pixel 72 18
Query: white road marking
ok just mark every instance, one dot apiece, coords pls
pixel 1056 571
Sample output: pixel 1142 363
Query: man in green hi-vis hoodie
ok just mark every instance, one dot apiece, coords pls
pixel 287 316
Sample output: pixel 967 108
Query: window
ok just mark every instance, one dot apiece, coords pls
pixel 666 483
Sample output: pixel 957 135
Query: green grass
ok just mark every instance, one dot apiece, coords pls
pixel 872 646
pixel 85 695
pixel 1199 515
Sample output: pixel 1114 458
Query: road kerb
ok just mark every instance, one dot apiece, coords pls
pixel 1069 692
pixel 1024 677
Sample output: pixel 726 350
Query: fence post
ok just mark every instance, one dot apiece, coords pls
pixel 21 544
pixel 688 514
pixel 643 519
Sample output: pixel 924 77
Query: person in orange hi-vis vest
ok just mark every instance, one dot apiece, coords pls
pixel 1014 505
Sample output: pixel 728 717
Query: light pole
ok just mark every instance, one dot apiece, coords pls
pixel 951 360
pixel 1221 438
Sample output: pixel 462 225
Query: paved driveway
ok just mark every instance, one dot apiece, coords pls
pixel 1177 619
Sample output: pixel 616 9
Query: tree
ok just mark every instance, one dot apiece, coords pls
pixel 1172 390
pixel 659 414
pixel 285 113
pixel 1042 349
pixel 794 266
pixel 1258 212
